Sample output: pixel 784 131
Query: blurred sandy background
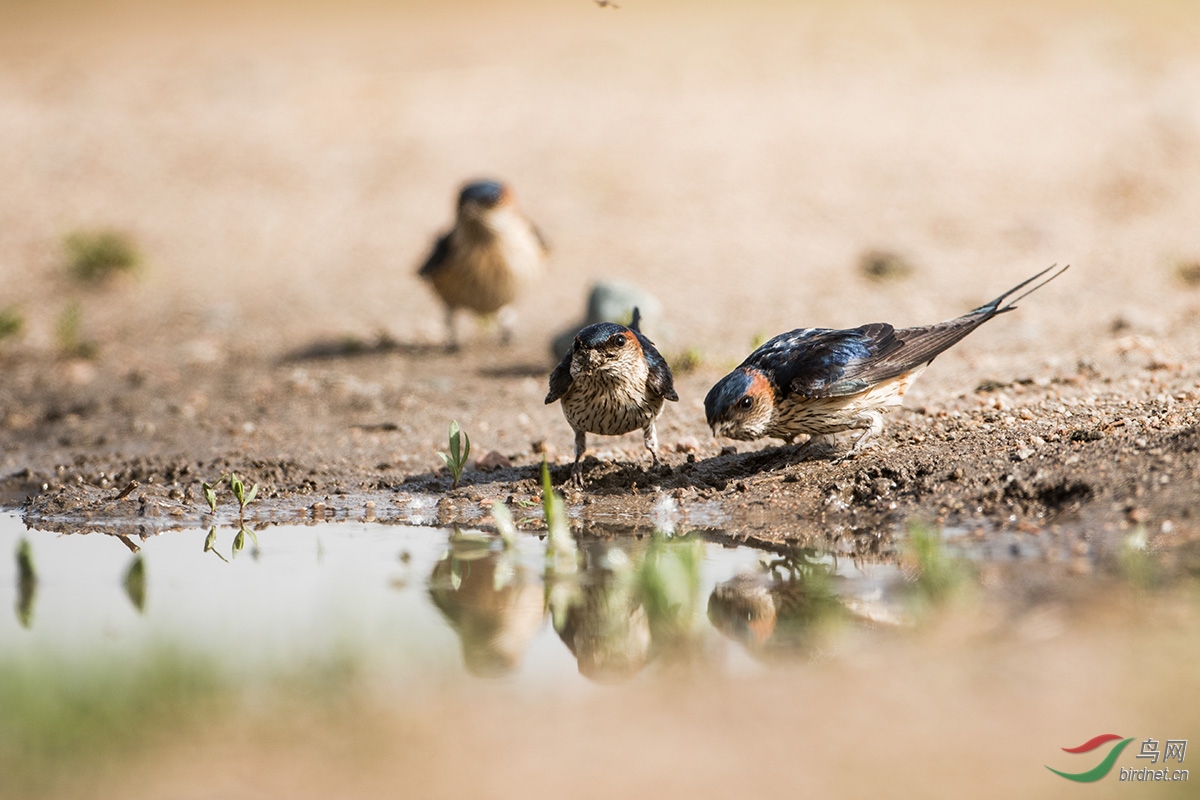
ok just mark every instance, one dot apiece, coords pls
pixel 285 166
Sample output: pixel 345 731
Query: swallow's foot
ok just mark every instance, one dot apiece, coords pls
pixel 862 445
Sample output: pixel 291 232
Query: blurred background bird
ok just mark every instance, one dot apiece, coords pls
pixel 820 381
pixel 481 262
pixel 612 382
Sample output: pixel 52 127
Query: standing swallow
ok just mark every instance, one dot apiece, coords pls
pixel 481 262
pixel 613 381
pixel 821 381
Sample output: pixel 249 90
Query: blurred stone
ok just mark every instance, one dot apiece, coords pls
pixel 1188 272
pixel 612 301
pixel 493 460
pixel 687 444
pixel 884 265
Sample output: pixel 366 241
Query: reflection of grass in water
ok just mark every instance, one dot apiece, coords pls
pixel 670 587
pixel 59 722
pixel 936 577
pixel 1136 563
pixel 26 583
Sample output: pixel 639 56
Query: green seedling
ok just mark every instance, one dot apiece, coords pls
pixel 460 450
pixel 243 497
pixel 95 256
pixel 210 497
pixel 11 322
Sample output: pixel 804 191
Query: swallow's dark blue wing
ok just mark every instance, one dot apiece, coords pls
pixel 661 381
pixel 836 363
pixel 560 378
pixel 820 362
pixel 437 257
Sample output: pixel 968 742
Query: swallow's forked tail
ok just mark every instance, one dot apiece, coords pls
pixel 637 320
pixel 994 307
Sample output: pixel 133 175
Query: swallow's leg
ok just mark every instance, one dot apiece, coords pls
pixel 506 318
pixel 577 469
pixel 872 422
pixel 650 437
pixel 451 331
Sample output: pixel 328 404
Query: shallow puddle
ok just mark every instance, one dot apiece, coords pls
pixel 426 600
pixel 375 655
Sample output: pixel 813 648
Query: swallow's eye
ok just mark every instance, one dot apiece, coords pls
pixel 616 340
pixel 746 403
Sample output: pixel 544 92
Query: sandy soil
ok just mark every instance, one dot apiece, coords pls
pixel 284 172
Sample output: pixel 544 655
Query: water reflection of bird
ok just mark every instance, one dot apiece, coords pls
pixel 495 604
pixel 819 381
pixel 634 601
pixel 481 262
pixel 612 382
pixel 777 612
pixel 605 624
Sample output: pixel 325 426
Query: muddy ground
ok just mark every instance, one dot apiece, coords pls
pixel 282 174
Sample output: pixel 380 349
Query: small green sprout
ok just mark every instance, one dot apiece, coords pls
pixel 210 496
pixel 460 450
pixel 238 488
pixel 95 256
